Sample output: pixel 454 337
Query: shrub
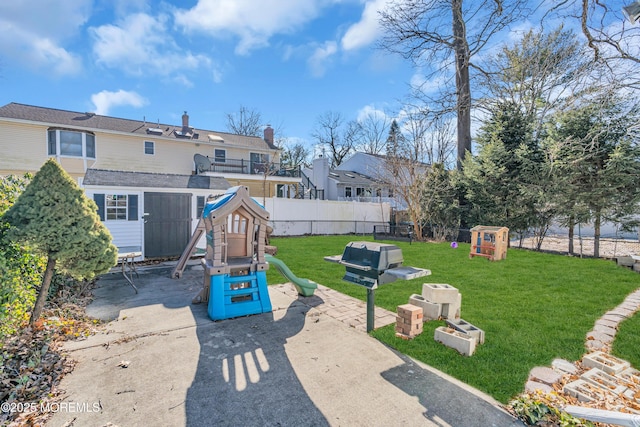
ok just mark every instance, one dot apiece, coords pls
pixel 20 269
pixel 54 216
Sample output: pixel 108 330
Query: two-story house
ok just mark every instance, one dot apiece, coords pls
pixel 150 180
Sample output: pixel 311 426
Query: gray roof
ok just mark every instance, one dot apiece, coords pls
pixel 153 180
pixel 52 116
pixel 353 178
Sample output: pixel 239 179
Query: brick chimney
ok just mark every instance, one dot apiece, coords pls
pixel 268 135
pixel 185 123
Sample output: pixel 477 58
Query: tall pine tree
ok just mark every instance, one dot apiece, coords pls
pixel 496 179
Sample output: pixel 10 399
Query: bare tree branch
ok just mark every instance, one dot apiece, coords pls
pixel 330 134
pixel 447 32
pixel 245 121
pixel 608 34
pixel 374 128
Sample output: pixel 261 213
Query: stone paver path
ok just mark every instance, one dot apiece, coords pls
pixel 342 307
pixel 604 331
pixel 599 339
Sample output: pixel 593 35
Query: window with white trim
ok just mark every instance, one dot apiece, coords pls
pixel 347 191
pixel 220 156
pixel 117 207
pixel 149 147
pixel 68 143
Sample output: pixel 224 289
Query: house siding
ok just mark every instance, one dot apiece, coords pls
pixel 131 233
pixel 126 153
pixel 23 148
pixel 75 167
pixel 123 233
pixel 119 149
pixel 126 233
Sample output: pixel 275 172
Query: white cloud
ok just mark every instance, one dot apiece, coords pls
pixel 216 74
pixel 140 44
pixel 367 30
pixel 371 111
pixel 252 22
pixel 183 80
pixel 33 33
pixel 321 58
pixel 105 100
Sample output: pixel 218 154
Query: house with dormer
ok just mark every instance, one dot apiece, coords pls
pixel 150 180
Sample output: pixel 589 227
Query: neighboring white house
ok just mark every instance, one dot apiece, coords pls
pixel 371 165
pixel 347 184
pixel 362 177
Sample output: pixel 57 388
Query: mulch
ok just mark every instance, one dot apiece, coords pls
pixel 33 363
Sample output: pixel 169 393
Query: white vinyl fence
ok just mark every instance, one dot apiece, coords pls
pixel 296 217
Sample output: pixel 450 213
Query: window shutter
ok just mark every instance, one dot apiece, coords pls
pixel 200 205
pixel 132 206
pixel 52 143
pixel 99 199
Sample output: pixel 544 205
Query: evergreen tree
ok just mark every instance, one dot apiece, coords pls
pixel 54 216
pixel 497 179
pixel 394 140
pixel 441 204
pixel 599 163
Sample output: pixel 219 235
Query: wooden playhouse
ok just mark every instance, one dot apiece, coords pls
pixel 489 242
pixel 234 264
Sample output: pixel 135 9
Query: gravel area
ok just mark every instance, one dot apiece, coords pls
pixel 609 248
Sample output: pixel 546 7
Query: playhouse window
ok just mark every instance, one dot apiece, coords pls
pixel 238 224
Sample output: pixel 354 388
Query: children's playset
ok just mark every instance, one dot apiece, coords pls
pixel 235 263
pixel 235 278
pixel 489 242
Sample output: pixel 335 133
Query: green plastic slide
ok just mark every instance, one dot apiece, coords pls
pixel 305 287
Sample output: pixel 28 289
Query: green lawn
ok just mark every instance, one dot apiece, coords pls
pixel 533 307
pixel 627 343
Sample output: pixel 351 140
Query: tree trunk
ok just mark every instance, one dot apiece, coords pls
pixel 571 233
pixel 44 291
pixel 596 234
pixel 463 87
pixel 417 226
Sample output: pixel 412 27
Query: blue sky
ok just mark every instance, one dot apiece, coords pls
pixel 290 60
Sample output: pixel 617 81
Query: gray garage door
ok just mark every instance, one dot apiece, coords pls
pixel 168 224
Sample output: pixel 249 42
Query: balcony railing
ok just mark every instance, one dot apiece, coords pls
pixel 369 199
pixel 242 166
